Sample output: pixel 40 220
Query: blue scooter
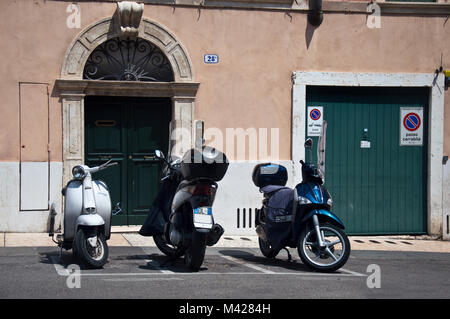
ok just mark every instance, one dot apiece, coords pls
pixel 300 218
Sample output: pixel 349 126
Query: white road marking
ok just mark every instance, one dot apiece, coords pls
pixel 62 271
pixel 218 273
pixel 141 279
pixel 266 271
pixel 240 262
pixel 154 263
pixel 354 273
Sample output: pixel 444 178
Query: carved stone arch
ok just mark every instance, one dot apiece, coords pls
pixel 95 34
pixel 73 88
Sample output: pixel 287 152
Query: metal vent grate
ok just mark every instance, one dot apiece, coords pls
pixel 245 217
pixel 128 60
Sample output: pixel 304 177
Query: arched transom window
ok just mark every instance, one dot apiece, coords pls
pixel 128 60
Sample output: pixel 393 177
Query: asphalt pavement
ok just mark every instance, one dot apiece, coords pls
pixel 227 272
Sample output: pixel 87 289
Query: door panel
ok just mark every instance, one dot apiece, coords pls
pixel 381 189
pixel 144 186
pixel 127 131
pixel 34 140
pixel 106 133
pixel 148 127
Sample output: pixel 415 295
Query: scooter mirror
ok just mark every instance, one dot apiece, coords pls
pixel 159 154
pixel 309 143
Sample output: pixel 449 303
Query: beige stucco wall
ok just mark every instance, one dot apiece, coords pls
pixel 447 123
pixel 258 51
pixel 251 87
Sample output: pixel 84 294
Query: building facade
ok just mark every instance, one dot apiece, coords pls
pixel 89 81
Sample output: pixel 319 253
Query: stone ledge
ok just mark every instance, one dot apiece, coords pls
pixel 127 88
pixel 360 7
pixel 125 229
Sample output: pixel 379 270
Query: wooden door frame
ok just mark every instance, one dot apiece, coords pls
pixel 435 82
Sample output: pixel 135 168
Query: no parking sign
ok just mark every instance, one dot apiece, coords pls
pixel 411 126
pixel 315 120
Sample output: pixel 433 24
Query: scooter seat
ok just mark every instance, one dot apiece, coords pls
pixel 270 189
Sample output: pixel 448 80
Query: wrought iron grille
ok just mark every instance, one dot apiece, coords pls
pixel 128 60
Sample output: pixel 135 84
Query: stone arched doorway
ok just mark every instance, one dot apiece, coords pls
pixel 73 87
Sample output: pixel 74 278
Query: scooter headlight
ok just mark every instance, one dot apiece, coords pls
pixel 303 200
pixel 78 172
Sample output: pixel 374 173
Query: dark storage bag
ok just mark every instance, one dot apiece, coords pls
pixel 205 163
pixel 159 212
pixel 269 174
pixel 279 215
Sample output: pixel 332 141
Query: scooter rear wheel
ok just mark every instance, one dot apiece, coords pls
pixel 266 249
pixel 195 254
pixel 166 248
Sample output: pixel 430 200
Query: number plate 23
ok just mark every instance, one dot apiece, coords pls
pixel 211 58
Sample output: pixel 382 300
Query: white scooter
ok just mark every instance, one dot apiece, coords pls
pixel 87 217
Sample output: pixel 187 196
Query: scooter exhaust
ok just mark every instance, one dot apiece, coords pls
pixel 214 235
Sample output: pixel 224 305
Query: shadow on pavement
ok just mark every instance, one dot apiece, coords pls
pixel 161 262
pixel 64 260
pixel 280 261
pixel 53 257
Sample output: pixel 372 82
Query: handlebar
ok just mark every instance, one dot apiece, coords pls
pixel 103 166
pixel 170 170
pixel 109 165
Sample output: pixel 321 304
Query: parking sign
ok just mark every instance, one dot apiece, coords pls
pixel 411 126
pixel 315 120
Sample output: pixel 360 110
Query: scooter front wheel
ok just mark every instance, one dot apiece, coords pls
pixel 331 256
pixel 94 257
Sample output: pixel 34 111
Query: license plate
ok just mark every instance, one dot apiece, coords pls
pixel 203 217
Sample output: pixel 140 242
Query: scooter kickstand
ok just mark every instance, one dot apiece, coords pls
pixel 289 254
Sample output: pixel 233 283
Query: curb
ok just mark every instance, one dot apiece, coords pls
pixel 128 236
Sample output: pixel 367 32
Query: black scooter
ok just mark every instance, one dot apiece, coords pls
pixel 300 218
pixel 180 219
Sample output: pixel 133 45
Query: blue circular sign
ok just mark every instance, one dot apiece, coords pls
pixel 411 121
pixel 315 114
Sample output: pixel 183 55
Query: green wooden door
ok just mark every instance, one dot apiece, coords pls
pixel 379 189
pixel 128 131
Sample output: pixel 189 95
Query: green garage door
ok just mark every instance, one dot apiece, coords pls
pixel 378 186
pixel 128 131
